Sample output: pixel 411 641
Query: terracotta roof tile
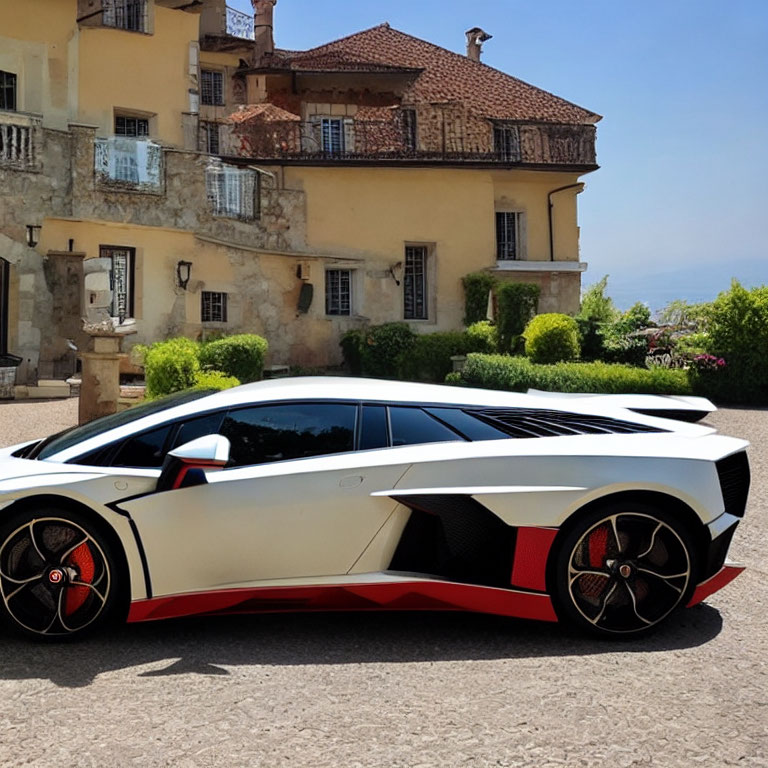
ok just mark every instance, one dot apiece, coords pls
pixel 446 76
pixel 267 113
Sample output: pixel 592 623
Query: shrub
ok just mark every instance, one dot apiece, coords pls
pixel 517 303
pixel 430 356
pixel 170 366
pixel 214 380
pixel 352 350
pixel 551 337
pixel 482 337
pixel 477 286
pixel 519 374
pixel 738 332
pixel 240 356
pixel 596 310
pixel 384 349
pixel 619 346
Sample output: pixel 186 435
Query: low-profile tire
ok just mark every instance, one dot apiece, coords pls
pixel 622 569
pixel 60 577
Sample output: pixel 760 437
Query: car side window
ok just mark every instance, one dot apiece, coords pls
pixel 143 451
pixel 469 425
pixel 268 433
pixel 411 426
pixel 191 429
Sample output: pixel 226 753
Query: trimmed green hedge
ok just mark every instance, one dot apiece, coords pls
pixel 516 304
pixel 551 338
pixel 178 364
pixel 518 374
pixel 240 356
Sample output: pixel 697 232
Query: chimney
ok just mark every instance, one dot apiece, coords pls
pixel 263 28
pixel 475 39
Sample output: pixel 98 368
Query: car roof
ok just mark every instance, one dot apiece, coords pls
pixel 374 390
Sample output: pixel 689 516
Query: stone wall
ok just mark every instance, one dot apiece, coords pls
pixel 27 197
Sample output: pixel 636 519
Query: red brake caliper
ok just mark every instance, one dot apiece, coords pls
pixel 590 584
pixel 81 559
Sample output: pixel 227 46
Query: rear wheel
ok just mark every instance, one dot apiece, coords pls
pixel 622 569
pixel 58 576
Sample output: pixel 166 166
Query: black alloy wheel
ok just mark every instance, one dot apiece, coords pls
pixel 58 576
pixel 623 569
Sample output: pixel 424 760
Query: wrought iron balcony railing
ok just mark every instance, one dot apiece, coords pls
pixel 20 137
pixel 346 140
pixel 129 164
pixel 239 24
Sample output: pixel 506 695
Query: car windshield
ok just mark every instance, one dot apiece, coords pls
pixel 69 437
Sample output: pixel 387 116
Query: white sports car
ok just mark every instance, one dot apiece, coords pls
pixel 335 494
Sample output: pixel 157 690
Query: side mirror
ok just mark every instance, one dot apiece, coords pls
pixel 187 464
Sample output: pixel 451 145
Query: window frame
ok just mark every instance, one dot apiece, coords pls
pixel 350 293
pixel 210 129
pixel 223 310
pixel 410 129
pixel 506 143
pixel 9 82
pixel 128 15
pixel 212 87
pixel 137 120
pixel 330 122
pixel 502 243
pixel 108 251
pixel 425 279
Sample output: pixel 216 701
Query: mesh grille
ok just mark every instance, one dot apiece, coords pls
pixel 733 472
pixel 530 422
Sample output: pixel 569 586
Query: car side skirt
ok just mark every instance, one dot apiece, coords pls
pixel 714 583
pixel 405 595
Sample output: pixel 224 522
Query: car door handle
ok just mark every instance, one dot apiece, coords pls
pixel 350 481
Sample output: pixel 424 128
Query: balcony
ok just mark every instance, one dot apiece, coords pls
pixel 239 24
pixel 20 136
pixel 129 165
pixel 332 140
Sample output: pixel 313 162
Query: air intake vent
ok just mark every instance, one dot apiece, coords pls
pixel 530 422
pixel 733 472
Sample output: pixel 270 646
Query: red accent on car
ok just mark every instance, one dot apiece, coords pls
pixel 724 576
pixel 82 559
pixel 204 465
pixel 400 596
pixel 598 546
pixel 529 567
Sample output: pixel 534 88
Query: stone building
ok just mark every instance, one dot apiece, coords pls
pixel 223 185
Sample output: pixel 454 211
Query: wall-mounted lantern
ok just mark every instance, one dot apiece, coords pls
pixel 33 235
pixel 396 270
pixel 183 272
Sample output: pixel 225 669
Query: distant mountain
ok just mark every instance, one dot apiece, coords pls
pixel 694 284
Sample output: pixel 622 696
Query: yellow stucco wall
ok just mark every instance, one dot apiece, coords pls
pixel 36 45
pixel 372 214
pixel 135 72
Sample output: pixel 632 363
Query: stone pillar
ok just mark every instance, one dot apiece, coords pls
pixel 100 388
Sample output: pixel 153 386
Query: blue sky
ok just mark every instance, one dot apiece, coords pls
pixel 680 203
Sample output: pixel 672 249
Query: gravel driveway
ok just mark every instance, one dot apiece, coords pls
pixel 400 690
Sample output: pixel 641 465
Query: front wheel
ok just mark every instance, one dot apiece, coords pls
pixel 58 576
pixel 622 569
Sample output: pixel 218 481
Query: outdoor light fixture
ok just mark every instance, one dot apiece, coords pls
pixel 33 235
pixel 396 270
pixel 183 271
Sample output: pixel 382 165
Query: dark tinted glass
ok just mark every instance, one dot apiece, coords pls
pixel 468 425
pixel 374 428
pixel 144 450
pixel 280 432
pixel 411 426
pixel 70 437
pixel 194 428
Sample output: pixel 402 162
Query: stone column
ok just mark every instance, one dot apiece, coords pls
pixel 100 388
